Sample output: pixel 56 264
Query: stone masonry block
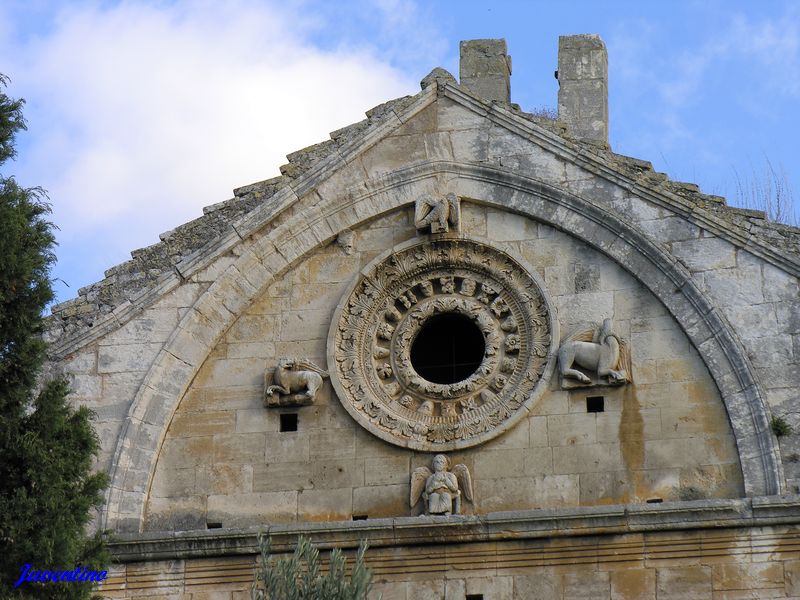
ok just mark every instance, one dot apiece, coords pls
pixel 485 69
pixel 386 470
pixel 228 373
pixel 632 584
pixel 538 431
pixel 305 325
pixel 669 228
pixel 586 583
pixel 288 446
pixel 536 492
pixel 153 325
pixel 381 501
pixel 325 505
pixel 234 510
pixel 779 285
pixel 332 474
pixel 253 328
pixel 501 588
pixel 792 577
pixel 332 443
pixel 189 424
pixel 571 429
pixel 239 448
pixel 455 117
pixel 173 483
pixel 735 287
pixel 619 425
pixel 504 226
pixel 126 357
pixel 583 87
pixel 491 464
pixel 544 583
pixel 470 145
pixel 538 461
pixel 752 578
pixel 705 254
pixel 683 583
pixel 613 487
pixel 186 452
pixel 588 458
pixel 664 344
pixel 254 420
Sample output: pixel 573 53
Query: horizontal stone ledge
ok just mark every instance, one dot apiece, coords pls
pixel 423 530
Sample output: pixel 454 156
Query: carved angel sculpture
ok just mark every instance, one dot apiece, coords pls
pixel 294 383
pixel 441 489
pixel 598 350
pixel 437 213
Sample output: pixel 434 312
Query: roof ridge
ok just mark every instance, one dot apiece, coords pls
pixel 152 264
pixel 153 267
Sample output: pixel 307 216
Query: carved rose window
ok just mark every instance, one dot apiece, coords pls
pixel 442 344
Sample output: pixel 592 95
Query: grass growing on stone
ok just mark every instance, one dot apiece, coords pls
pixel 780 426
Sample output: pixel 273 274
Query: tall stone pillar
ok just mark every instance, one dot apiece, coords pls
pixel 485 69
pixel 583 87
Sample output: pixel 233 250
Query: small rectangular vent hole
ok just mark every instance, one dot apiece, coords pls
pixel 289 422
pixel 474 597
pixel 360 517
pixel 213 525
pixel 595 404
pixel 654 500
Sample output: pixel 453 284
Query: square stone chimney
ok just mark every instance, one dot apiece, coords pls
pixel 485 69
pixel 583 87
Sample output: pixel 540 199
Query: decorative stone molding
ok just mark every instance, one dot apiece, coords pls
pixel 376 326
pixel 169 377
pixel 737 516
pixel 294 383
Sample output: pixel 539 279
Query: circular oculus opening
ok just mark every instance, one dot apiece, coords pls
pixel 448 349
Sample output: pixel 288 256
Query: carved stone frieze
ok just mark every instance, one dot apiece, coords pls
pixel 381 317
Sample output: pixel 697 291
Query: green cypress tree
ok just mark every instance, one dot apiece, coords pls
pixel 47 488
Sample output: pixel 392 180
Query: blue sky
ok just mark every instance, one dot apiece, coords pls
pixel 141 113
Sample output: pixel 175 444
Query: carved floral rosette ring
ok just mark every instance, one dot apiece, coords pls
pixel 466 285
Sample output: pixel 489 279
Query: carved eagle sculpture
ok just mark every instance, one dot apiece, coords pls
pixel 438 213
pixel 442 488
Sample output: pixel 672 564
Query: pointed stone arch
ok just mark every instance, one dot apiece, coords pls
pixel 313 222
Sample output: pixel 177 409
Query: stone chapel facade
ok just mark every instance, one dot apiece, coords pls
pixel 519 364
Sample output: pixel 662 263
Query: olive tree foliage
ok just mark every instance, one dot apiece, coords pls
pixel 300 576
pixel 47 488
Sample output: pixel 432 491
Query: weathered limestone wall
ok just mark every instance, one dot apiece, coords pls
pixel 583 87
pixel 225 461
pixel 676 565
pixel 106 375
pixel 723 249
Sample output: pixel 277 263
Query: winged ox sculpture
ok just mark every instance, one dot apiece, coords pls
pixel 295 382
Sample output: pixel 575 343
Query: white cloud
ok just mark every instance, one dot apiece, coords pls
pixel 141 114
pixel 769 45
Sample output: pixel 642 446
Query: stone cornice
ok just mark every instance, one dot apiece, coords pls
pixel 255 220
pixel 587 159
pixel 499 526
